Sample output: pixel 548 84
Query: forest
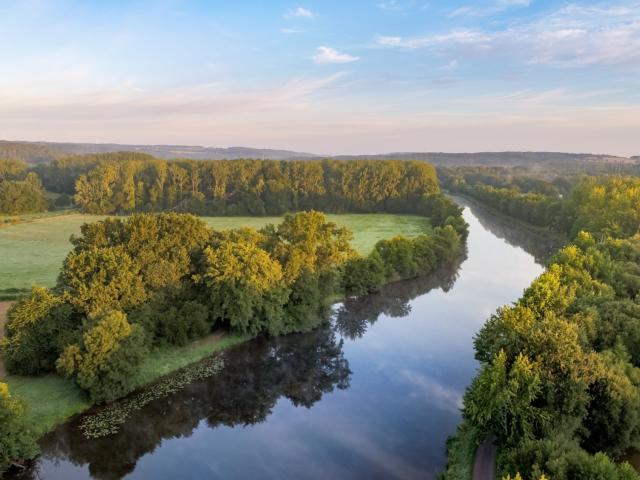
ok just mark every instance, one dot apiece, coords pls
pixel 134 284
pixel 559 386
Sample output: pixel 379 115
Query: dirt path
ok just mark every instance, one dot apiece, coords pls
pixel 4 306
pixel 484 465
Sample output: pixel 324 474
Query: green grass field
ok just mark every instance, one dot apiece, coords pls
pixel 32 252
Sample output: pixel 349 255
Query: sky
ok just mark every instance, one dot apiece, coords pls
pixel 329 77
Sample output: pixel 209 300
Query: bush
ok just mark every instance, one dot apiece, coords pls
pixel 37 329
pixel 363 275
pixel 306 306
pixel 16 441
pixel 105 362
pixel 397 255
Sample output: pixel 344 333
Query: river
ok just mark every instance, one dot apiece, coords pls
pixel 374 394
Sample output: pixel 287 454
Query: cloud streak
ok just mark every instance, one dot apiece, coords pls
pixel 329 55
pixel 572 36
pixel 299 12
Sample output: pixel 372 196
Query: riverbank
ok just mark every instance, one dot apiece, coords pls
pixel 501 215
pixel 51 400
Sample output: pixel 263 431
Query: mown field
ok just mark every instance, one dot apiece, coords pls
pixel 33 251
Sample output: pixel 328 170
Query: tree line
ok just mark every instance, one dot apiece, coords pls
pixel 130 182
pixel 559 384
pixel 604 206
pixel 134 284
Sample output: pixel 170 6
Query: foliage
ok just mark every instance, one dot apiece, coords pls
pixel 37 329
pixel 16 441
pixel 501 399
pixel 307 241
pixel 576 326
pixel 99 279
pixel 242 284
pixel 160 246
pixel 363 275
pixel 153 280
pixel 461 452
pixel 20 191
pixel 257 187
pixel 35 248
pixel 104 363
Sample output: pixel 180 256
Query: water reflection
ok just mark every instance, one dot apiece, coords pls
pixel 539 244
pixel 300 368
pixel 374 394
pixel 356 314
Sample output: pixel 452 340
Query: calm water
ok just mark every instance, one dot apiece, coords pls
pixel 374 394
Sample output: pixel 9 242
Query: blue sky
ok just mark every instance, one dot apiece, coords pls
pixel 325 76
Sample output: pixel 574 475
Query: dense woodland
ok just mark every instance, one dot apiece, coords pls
pixel 559 386
pixel 149 280
pixel 604 205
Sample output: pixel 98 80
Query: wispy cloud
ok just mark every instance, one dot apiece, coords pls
pixel 396 5
pixel 575 35
pixel 479 10
pixel 299 12
pixel 329 55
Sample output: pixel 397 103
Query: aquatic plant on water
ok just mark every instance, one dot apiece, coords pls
pixel 108 420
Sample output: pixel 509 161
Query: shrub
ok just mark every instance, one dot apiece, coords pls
pixel 105 362
pixel 38 327
pixel 363 275
pixel 16 441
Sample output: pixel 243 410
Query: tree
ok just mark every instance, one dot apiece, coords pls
pixel 306 240
pixel 501 399
pixel 101 279
pixel 241 284
pixel 38 327
pixel 363 275
pixel 105 362
pixel 16 440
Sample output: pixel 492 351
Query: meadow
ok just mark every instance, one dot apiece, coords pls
pixel 32 252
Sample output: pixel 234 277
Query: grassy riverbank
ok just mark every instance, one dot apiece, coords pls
pixel 50 399
pixel 33 251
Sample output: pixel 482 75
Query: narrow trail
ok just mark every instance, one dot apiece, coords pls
pixel 484 465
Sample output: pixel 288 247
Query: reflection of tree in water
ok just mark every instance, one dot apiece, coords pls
pixel 355 314
pixel 535 242
pixel 299 367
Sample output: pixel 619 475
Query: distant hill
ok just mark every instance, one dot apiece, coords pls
pixel 499 158
pixel 41 152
